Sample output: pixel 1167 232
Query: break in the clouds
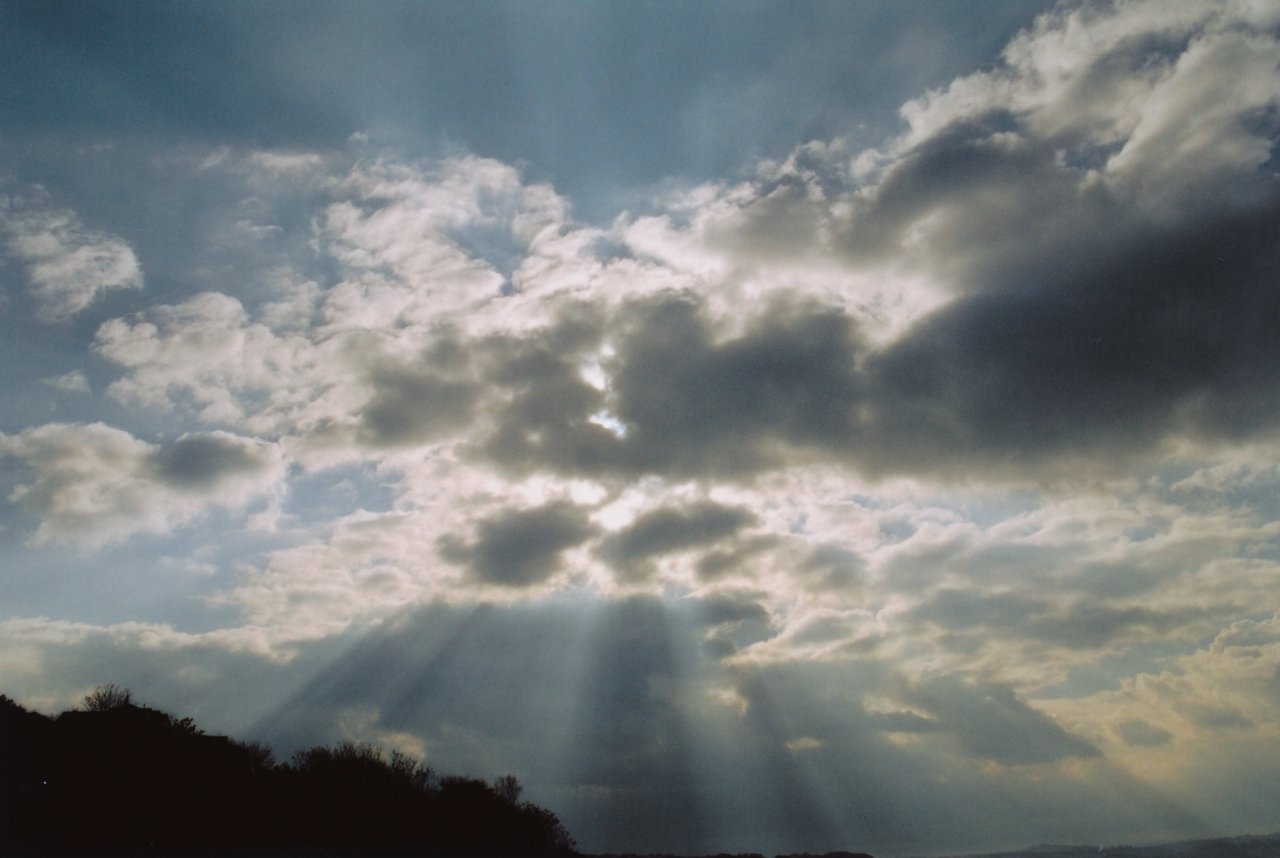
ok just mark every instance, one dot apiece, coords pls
pixel 917 464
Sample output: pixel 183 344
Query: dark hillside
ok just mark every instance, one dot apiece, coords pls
pixel 115 776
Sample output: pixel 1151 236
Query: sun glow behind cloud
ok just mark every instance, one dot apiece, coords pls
pixel 924 477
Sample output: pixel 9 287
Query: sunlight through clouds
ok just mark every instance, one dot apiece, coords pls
pixel 920 466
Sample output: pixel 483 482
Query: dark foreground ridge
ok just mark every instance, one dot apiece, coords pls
pixel 114 777
pixel 1245 846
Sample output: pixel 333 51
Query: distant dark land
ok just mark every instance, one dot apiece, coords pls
pixel 1248 846
pixel 115 778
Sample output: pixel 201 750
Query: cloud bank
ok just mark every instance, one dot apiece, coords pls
pixel 937 474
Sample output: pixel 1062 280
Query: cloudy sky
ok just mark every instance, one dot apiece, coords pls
pixel 760 426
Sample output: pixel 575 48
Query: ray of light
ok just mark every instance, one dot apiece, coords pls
pixel 632 764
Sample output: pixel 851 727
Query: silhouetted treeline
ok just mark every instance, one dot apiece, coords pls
pixel 112 775
pixel 733 855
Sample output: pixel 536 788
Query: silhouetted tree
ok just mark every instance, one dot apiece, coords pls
pixel 508 788
pixel 105 698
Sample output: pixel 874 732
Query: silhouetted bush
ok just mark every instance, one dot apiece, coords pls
pixel 104 698
pixel 113 775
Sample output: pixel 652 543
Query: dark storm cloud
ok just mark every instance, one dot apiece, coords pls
pixel 519 548
pixel 201 461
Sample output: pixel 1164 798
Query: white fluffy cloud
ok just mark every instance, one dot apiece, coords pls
pixel 68 264
pixel 93 484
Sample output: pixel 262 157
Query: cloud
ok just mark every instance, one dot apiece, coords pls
pixel 207 350
pixel 413 404
pixel 1067 298
pixel 200 462
pixel 70 382
pixel 519 547
pixel 51 664
pixel 91 484
pixel 359 568
pixel 1142 734
pixel 671 529
pixel 689 403
pixel 68 264
pixel 1082 623
pixel 992 722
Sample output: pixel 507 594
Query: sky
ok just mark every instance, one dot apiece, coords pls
pixel 759 426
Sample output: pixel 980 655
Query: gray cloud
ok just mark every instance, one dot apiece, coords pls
pixel 411 407
pixel 1095 352
pixel 832 567
pixel 1075 623
pixel 992 722
pixel 694 404
pixel 545 421
pixel 1143 734
pixel 671 529
pixel 520 547
pixel 733 619
pixel 689 404
pixel 735 557
pixel 199 462
pixel 901 722
pixel 1217 717
pixel 1107 357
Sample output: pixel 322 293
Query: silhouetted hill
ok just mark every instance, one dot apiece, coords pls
pixel 117 776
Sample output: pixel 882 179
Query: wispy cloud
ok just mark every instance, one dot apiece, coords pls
pixel 68 265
